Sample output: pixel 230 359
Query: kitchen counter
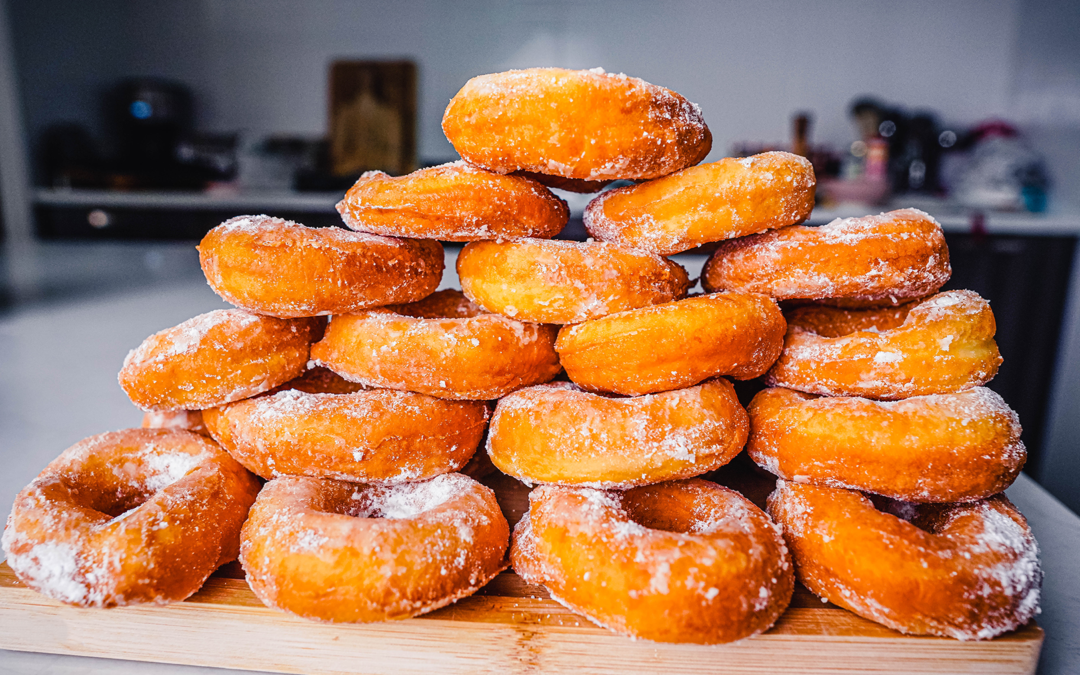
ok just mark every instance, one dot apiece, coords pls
pixel 58 385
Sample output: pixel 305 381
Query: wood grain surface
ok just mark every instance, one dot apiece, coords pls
pixel 507 627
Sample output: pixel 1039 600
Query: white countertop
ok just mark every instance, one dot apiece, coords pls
pixel 58 385
pixel 952 216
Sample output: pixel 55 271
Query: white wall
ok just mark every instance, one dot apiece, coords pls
pixel 262 64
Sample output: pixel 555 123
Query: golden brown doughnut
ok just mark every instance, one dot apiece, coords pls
pixel 852 262
pixel 684 561
pixel 674 345
pixel 216 358
pixel 129 517
pixel 944 344
pixel 966 571
pixel 336 551
pixel 184 420
pixel 582 124
pixel 453 202
pixel 443 346
pixel 564 281
pixel 556 433
pixel 711 202
pixel 376 436
pixel 280 268
pixel 940 448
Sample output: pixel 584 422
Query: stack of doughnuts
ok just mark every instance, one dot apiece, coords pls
pixel 322 431
pixel 891 455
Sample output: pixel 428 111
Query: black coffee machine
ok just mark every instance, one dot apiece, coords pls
pixel 152 121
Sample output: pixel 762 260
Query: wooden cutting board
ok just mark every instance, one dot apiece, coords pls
pixel 507 627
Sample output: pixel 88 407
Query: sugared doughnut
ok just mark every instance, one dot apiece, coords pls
pixel 674 345
pixel 940 448
pixel 852 262
pixel 216 358
pixel 711 202
pixel 443 346
pixel 129 517
pixel 557 433
pixel 966 571
pixel 185 420
pixel 376 436
pixel 685 561
pixel 453 202
pixel 280 268
pixel 336 551
pixel 582 124
pixel 564 281
pixel 943 344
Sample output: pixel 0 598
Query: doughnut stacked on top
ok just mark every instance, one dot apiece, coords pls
pixel 619 529
pixel 891 454
pixel 360 423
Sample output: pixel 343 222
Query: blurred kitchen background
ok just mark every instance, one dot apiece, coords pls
pixel 129 128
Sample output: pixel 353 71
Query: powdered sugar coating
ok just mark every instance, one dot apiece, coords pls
pixel 376 436
pixel 280 268
pixel 453 202
pixel 944 344
pixel 709 202
pixel 444 346
pixel 576 124
pixel 557 433
pixel 674 345
pixel 672 580
pixel 938 448
pixel 565 282
pixel 215 358
pixel 372 553
pixel 129 517
pixel 967 571
pixel 873 260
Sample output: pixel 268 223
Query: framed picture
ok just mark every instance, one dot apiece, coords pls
pixel 372 117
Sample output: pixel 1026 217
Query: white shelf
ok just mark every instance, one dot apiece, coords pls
pixel 956 218
pixel 253 201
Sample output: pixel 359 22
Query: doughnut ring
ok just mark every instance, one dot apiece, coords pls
pixel 216 358
pixel 944 344
pixel 684 561
pixel 377 436
pixel 371 553
pixel 453 202
pixel 443 346
pixel 280 268
pixel 565 282
pixel 674 345
pixel 939 448
pixel 582 124
pixel 710 202
pixel 851 262
pixel 556 433
pixel 129 517
pixel 965 571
